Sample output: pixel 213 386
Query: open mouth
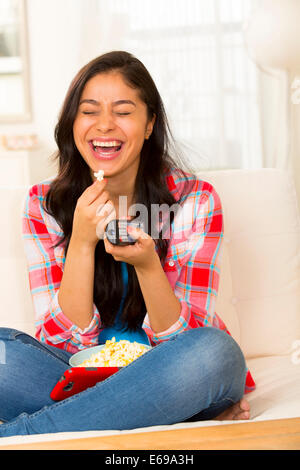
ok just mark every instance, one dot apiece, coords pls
pixel 106 148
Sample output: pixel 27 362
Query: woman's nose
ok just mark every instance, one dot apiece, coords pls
pixel 105 122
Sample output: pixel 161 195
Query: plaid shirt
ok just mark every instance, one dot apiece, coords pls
pixel 192 267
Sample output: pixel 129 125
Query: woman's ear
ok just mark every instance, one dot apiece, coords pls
pixel 149 127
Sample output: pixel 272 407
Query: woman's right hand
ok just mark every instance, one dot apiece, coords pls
pixel 93 212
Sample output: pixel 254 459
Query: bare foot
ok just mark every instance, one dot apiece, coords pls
pixel 240 410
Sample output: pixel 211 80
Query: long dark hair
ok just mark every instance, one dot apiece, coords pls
pixel 74 176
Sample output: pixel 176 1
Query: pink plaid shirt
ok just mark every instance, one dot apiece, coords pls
pixel 192 267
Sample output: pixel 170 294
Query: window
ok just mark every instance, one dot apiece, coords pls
pixel 194 50
pixel 14 79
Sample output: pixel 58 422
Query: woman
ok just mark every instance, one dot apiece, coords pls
pixel 160 290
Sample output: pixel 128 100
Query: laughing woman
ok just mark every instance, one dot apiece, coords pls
pixel 161 290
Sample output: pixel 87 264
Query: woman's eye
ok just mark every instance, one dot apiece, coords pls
pixel 94 112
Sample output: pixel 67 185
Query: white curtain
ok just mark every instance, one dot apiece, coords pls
pixel 195 52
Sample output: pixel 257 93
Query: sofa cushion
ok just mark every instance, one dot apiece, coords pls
pixel 278 387
pixel 259 292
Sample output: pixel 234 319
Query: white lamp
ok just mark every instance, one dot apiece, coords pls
pixel 272 37
pixel 272 34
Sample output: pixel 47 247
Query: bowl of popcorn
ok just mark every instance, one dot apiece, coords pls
pixel 111 354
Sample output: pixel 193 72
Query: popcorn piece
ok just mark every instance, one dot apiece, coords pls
pixel 99 175
pixel 115 354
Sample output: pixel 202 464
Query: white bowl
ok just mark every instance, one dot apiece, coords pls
pixel 85 354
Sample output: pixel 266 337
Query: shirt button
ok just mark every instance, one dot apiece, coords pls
pixel 171 263
pixel 234 300
pixel 227 240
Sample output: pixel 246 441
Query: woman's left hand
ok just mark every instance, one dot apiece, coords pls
pixel 142 255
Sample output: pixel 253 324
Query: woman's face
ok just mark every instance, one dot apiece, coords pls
pixel 111 125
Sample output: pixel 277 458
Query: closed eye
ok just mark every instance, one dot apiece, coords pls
pixel 94 112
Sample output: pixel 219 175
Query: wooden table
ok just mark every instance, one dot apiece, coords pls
pixel 283 434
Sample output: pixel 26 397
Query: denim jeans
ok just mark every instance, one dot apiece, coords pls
pixel 195 375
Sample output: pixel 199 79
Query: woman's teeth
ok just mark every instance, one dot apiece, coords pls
pixel 113 143
pixel 111 146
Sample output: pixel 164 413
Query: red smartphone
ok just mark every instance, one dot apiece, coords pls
pixel 77 379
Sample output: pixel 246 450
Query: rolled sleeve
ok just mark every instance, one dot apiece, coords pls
pixel 179 326
pixel 56 329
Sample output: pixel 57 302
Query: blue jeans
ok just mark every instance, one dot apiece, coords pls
pixel 194 376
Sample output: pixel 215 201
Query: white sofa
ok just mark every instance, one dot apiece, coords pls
pixel 259 294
